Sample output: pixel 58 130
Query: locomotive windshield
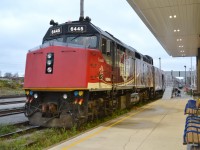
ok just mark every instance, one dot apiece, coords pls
pixel 88 41
pixel 60 39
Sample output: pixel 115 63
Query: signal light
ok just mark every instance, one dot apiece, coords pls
pixel 76 101
pixel 31 93
pixel 80 93
pixel 80 102
pixel 27 92
pixel 76 93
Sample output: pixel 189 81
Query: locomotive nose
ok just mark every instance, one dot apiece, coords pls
pixel 56 68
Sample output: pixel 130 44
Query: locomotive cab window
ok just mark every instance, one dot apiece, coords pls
pixel 88 41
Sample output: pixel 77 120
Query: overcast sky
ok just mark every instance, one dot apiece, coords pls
pixel 23 24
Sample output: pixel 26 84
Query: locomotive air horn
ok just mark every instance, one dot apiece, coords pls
pixel 53 23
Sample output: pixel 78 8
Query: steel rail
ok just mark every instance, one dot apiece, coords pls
pixel 13 111
pixel 12 102
pixel 21 131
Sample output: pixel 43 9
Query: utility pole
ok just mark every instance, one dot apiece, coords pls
pixel 191 74
pixel 185 75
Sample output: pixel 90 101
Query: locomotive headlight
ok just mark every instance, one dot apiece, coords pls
pixel 65 96
pixel 49 69
pixel 35 95
pixel 49 56
pixel 49 62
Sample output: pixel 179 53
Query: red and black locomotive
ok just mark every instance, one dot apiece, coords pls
pixel 81 72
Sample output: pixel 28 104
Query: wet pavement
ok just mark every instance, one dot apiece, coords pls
pixel 156 126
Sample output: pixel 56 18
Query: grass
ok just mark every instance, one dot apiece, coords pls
pixel 4 129
pixel 10 88
pixel 7 91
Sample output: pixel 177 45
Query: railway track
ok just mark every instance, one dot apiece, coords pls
pixel 21 131
pixel 6 111
pixel 11 96
pixel 12 102
pixel 11 111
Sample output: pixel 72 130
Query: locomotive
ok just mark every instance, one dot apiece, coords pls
pixel 81 72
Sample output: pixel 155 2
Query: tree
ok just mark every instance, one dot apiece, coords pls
pixel 8 75
pixel 16 75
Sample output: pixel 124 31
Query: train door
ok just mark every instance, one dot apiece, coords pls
pixel 107 47
pixel 106 50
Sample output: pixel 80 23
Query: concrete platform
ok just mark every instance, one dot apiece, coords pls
pixel 156 126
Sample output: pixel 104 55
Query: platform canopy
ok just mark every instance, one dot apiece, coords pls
pixel 175 23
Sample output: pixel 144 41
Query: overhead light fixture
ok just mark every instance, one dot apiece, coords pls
pixel 172 16
pixel 180 46
pixel 178 40
pixel 176 30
